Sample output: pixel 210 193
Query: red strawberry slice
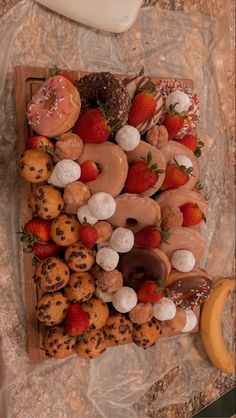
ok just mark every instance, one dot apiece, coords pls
pixel 89 171
pixel 143 107
pixel 192 215
pixel 92 127
pixel 48 249
pixel 41 143
pixel 77 320
pixel 173 121
pixel 150 291
pixel 88 235
pixel 192 142
pixel 176 176
pixel 36 230
pixel 150 236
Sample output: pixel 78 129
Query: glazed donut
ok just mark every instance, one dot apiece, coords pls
pixel 141 151
pixel 135 83
pixel 171 150
pixel 134 212
pixel 189 289
pixel 54 108
pixel 178 197
pixel 109 91
pixel 113 164
pixel 141 264
pixel 183 238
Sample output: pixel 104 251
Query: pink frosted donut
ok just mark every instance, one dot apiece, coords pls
pixel 54 108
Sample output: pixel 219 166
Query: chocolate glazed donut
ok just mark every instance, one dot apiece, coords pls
pixel 189 289
pixel 109 91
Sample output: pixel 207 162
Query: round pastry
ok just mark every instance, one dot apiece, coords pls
pixel 189 289
pixel 79 258
pixel 179 197
pixel 136 83
pixel 134 212
pixel 105 296
pixel 183 260
pixel 157 136
pixel 141 264
pixel 175 325
pixel 51 308
pixel 168 86
pixel 124 299
pixel 118 330
pixel 51 274
pixel 92 345
pixel 164 309
pixel 107 258
pixel 112 162
pixel 146 335
pixel 35 166
pixel 142 312
pixel 171 217
pixel 184 238
pixel 65 172
pixel 109 281
pixel 122 240
pixel 84 215
pixel 102 205
pixel 76 194
pixel 105 88
pixel 191 321
pixel 46 202
pixel 65 230
pixel 54 108
pixel 57 343
pixel 128 137
pixel 97 311
pixel 80 287
pixel 68 146
pixel 141 151
pixel 104 230
pixel 173 149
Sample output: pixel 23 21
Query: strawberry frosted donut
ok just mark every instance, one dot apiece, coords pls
pixel 173 149
pixel 135 212
pixel 113 166
pixel 54 108
pixel 141 151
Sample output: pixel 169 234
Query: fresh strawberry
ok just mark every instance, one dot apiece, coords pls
pixel 143 107
pixel 41 143
pixel 150 291
pixel 176 176
pixel 192 142
pixel 77 320
pixel 36 230
pixel 68 76
pixel 88 235
pixel 48 249
pixel 141 176
pixel 173 121
pixel 92 126
pixel 192 214
pixel 89 171
pixel 150 236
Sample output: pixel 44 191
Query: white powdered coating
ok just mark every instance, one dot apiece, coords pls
pixel 102 205
pixel 164 309
pixel 105 296
pixel 179 97
pixel 183 260
pixel 124 299
pixel 65 172
pixel 128 137
pixel 84 215
pixel 182 160
pixel 107 258
pixel 191 321
pixel 122 240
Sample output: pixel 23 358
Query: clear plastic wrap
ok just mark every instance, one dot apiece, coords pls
pixel 168 44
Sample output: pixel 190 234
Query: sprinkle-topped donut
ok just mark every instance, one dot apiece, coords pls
pixel 54 108
pixel 109 91
pixel 168 86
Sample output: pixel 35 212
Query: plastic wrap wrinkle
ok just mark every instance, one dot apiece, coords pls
pixel 168 44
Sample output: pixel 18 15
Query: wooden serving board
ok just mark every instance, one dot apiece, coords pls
pixel 26 81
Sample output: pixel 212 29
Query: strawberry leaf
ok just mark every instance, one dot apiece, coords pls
pixel 28 250
pixel 47 148
pixel 141 72
pixel 165 235
pixel 54 71
pixel 200 144
pixel 204 218
pixel 166 292
pixel 198 152
pixel 149 158
pixel 199 186
pixel 159 282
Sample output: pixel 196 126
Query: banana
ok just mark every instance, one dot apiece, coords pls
pixel 210 325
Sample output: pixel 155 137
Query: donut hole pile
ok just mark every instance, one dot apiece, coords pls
pixel 106 274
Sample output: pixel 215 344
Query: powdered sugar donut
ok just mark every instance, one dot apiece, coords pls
pixel 124 299
pixel 54 108
pixel 122 240
pixel 102 205
pixel 107 258
pixel 164 309
pixel 128 137
pixel 191 321
pixel 84 214
pixel 65 172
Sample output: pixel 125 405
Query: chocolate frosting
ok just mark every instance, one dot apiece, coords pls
pixel 190 291
pixel 139 265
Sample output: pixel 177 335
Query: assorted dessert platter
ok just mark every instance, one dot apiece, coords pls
pixel 116 208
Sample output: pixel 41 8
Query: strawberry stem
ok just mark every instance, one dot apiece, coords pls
pixel 184 169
